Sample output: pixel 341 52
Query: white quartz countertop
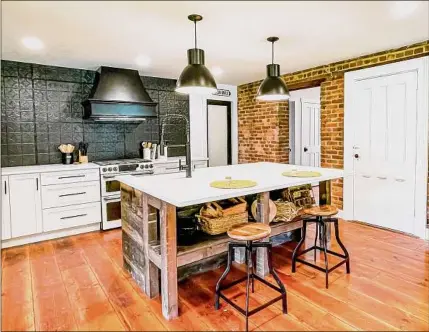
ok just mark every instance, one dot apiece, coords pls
pixel 180 191
pixel 46 168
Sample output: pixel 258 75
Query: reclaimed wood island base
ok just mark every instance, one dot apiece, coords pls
pixel 149 220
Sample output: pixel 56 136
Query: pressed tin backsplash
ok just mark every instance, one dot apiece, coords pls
pixel 41 108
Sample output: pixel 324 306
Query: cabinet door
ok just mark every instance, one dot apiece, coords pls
pixel 5 211
pixel 25 204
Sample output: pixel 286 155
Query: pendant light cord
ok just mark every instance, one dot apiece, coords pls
pixel 272 52
pixel 195 33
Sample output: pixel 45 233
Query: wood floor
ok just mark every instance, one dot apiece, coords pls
pixel 77 283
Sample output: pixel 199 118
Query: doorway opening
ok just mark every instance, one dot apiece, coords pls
pixel 304 127
pixel 219 133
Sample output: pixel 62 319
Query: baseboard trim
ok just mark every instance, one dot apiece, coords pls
pixel 50 235
pixel 340 214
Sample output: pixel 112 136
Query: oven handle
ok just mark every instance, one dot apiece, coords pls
pixel 110 199
pixel 108 176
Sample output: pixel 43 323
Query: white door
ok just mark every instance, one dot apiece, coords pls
pixel 305 143
pixel 25 204
pixel 5 212
pixel 217 135
pixel 384 120
pixel 310 133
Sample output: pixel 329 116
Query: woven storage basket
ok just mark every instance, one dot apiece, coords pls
pixel 219 225
pixel 215 219
pixel 301 196
pixel 286 211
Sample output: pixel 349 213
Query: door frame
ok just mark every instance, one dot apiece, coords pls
pixel 228 112
pixel 421 67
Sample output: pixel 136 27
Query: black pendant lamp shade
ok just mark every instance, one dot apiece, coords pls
pixel 196 78
pixel 273 88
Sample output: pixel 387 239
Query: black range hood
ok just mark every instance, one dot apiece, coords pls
pixel 118 95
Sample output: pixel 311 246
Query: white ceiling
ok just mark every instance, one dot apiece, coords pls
pixel 87 34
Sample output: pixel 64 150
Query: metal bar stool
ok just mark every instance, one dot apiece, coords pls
pixel 322 216
pixel 250 232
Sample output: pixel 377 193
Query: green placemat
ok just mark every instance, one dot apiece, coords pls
pixel 302 174
pixel 232 184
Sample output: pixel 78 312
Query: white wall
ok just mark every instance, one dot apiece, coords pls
pixel 198 122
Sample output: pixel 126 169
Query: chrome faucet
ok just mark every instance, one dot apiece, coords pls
pixel 188 165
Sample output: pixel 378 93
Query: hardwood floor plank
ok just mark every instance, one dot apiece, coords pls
pixel 133 313
pixel 52 307
pixel 53 310
pixel 17 296
pixel 202 300
pixel 78 283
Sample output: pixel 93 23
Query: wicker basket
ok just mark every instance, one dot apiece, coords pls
pixel 215 219
pixel 286 211
pixel 301 196
pixel 216 226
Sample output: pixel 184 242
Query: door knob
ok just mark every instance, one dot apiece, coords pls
pixel 356 156
pixel 305 149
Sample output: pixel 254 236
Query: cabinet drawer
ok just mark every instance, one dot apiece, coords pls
pixel 70 177
pixel 71 216
pixel 69 194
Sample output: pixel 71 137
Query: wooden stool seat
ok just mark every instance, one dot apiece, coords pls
pixel 249 231
pixel 321 211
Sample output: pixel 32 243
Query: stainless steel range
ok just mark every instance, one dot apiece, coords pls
pixel 110 186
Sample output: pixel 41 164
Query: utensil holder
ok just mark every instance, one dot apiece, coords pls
pixel 67 158
pixel 146 153
pixel 83 159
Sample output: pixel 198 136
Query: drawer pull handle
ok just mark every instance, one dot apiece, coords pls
pixel 73 194
pixel 111 199
pixel 76 216
pixel 366 176
pixel 382 177
pixel 71 176
pixel 400 180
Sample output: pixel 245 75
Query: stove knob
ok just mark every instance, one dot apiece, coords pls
pixel 146 166
pixel 115 168
pixel 141 166
pixel 110 169
pixel 104 169
pixel 150 166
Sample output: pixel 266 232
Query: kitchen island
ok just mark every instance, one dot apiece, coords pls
pixel 144 198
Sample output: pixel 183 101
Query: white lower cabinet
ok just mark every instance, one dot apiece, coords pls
pixel 71 216
pixel 5 210
pixel 41 206
pixel 25 204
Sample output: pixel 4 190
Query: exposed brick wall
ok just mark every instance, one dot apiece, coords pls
pixel 263 126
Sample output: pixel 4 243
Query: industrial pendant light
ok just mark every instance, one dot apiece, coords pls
pixel 273 88
pixel 196 78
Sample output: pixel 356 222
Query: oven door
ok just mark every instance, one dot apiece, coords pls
pixel 111 212
pixel 110 186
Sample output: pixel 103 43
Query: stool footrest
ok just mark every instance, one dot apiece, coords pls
pixel 253 311
pixel 266 283
pixel 235 282
pixel 318 267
